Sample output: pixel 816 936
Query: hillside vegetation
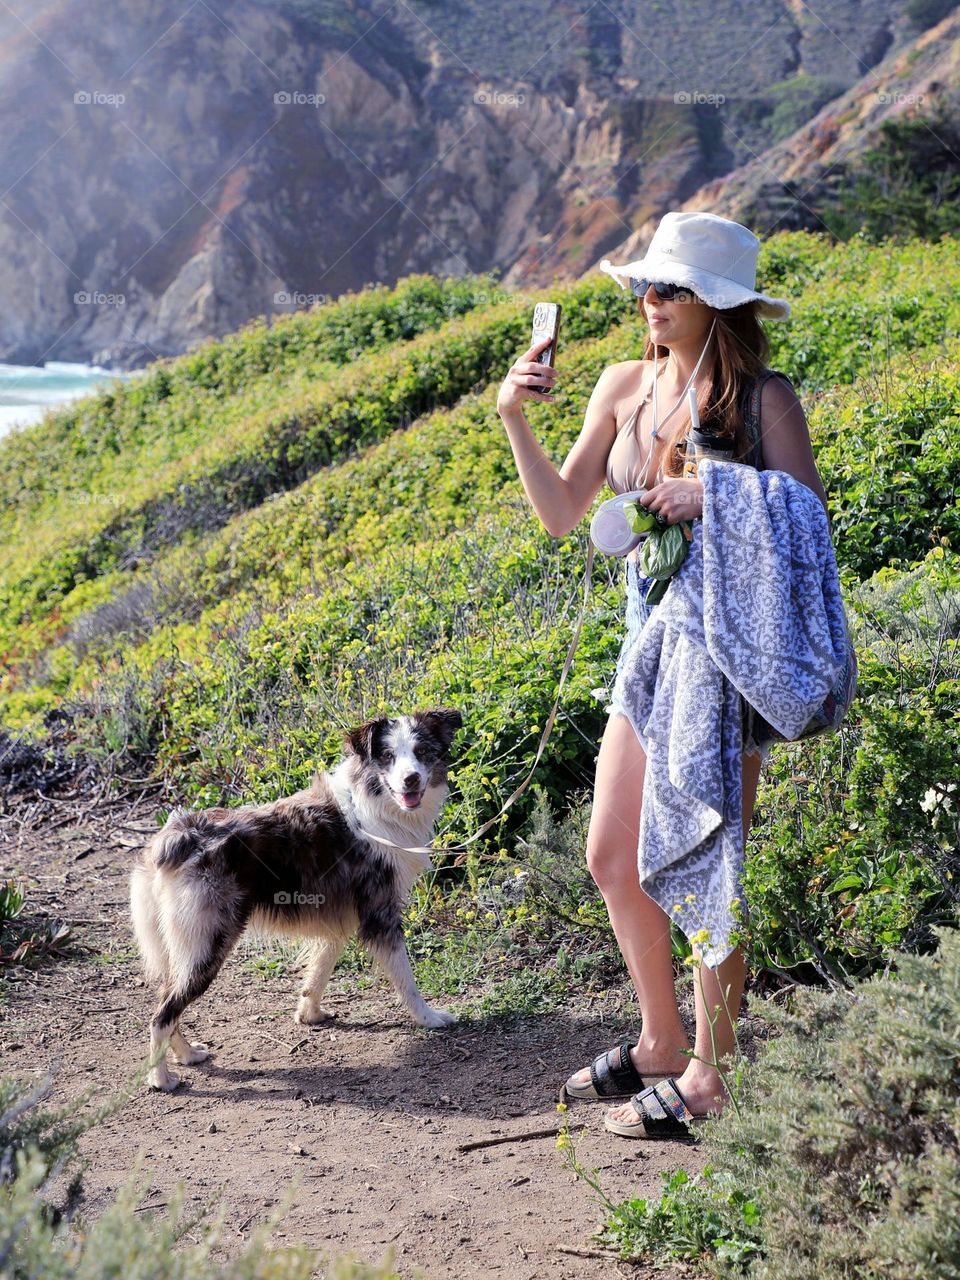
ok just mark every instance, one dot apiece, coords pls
pixel 214 571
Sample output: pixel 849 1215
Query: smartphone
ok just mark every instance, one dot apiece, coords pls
pixel 546 324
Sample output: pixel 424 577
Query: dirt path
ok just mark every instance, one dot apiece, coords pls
pixel 369 1112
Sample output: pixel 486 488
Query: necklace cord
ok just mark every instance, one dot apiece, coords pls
pixel 655 429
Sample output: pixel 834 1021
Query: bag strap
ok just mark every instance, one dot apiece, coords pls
pixel 751 417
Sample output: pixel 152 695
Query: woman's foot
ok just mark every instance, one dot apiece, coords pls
pixel 650 1059
pixel 701 1089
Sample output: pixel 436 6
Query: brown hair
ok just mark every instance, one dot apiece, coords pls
pixel 740 349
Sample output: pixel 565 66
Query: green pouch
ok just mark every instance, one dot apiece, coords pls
pixel 661 556
pixel 663 552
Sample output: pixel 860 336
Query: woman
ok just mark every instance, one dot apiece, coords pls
pixel 696 291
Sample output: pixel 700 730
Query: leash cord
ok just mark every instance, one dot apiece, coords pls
pixel 460 849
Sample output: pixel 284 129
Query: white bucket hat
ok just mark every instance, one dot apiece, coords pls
pixel 714 257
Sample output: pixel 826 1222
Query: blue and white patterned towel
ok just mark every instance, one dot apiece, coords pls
pixel 754 611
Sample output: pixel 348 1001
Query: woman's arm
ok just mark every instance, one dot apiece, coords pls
pixel 786 437
pixel 561 499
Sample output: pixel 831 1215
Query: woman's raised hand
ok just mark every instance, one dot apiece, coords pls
pixel 524 373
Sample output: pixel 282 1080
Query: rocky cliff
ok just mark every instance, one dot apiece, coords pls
pixel 171 171
pixel 795 183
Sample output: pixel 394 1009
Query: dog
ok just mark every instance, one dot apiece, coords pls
pixel 295 866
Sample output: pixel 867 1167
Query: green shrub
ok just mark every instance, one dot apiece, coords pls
pixel 243 451
pixel 172 403
pixel 433 477
pixel 846 1145
pixel 850 857
pixel 908 184
pixel 889 461
pixel 705 1216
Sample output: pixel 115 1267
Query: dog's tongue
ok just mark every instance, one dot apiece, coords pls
pixel 411 799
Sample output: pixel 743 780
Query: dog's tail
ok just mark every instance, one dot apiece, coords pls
pixel 168 849
pixel 185 836
pixel 146 925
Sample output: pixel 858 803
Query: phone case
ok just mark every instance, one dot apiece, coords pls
pixel 546 324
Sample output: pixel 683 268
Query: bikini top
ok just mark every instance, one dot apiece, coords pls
pixel 625 462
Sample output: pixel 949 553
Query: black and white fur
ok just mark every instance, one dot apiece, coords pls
pixel 295 866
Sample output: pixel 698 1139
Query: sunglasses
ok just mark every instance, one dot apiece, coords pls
pixel 665 292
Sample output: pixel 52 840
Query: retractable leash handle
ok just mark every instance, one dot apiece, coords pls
pixel 544 738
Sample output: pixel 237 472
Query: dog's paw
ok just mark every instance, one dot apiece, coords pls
pixel 162 1080
pixel 309 1013
pixel 435 1018
pixel 193 1054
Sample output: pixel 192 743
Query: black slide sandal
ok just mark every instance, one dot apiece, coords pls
pixel 612 1075
pixel 661 1113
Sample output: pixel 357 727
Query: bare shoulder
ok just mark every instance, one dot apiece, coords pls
pixel 602 419
pixel 786 436
pixel 622 382
pixel 781 412
pixel 626 370
pixel 779 402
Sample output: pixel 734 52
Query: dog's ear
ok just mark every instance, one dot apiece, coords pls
pixel 443 722
pixel 360 740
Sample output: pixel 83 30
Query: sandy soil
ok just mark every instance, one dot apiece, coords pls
pixel 370 1113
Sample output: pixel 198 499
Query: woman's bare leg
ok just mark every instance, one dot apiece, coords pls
pixel 640 925
pixel 720 990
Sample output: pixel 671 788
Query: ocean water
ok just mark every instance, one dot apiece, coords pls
pixel 26 391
